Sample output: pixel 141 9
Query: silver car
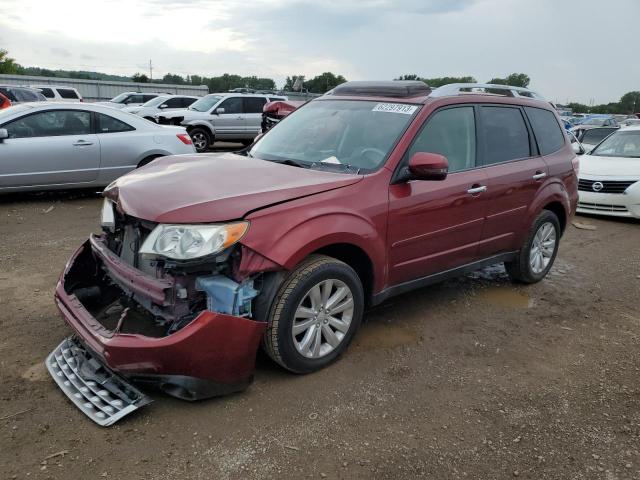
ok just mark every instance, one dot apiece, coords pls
pixel 221 116
pixel 163 103
pixel 74 145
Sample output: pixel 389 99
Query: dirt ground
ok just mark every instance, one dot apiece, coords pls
pixel 475 378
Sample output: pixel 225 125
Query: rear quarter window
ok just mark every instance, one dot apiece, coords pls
pixel 546 129
pixel 68 93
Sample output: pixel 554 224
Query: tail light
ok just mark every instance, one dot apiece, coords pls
pixel 184 138
pixel 575 163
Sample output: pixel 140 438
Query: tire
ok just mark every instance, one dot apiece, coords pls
pixel 295 297
pixel 524 269
pixel 201 139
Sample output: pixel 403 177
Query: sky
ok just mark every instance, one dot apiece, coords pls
pixel 573 50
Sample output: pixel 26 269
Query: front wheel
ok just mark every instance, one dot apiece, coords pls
pixel 201 139
pixel 539 251
pixel 315 314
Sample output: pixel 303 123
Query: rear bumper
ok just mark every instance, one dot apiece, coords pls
pixel 212 355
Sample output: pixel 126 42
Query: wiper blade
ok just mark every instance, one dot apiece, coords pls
pixel 344 167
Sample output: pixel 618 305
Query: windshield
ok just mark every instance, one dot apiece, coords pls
pixel 205 103
pixel 620 144
pixel 120 98
pixel 154 102
pixel 325 133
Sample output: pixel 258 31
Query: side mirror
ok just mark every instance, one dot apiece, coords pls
pixel 164 105
pixel 428 166
pixel 4 134
pixel 219 111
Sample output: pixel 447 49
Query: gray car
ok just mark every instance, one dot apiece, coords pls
pixel 73 145
pixel 235 117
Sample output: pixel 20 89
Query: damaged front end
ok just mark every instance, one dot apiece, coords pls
pixel 186 325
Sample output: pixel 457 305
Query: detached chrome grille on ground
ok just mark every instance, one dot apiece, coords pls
pixel 100 394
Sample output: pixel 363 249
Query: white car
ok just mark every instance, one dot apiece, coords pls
pixel 609 179
pixel 235 117
pixel 45 146
pixel 163 103
pixel 55 93
pixel 129 99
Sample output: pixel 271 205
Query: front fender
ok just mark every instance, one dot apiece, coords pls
pixel 288 243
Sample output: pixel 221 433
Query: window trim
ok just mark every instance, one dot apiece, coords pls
pixel 533 147
pixel 92 126
pixel 397 174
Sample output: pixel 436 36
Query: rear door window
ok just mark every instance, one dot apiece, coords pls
pixel 53 123
pixel 546 129
pixel 108 124
pixel 504 135
pixel 47 92
pixel 450 132
pixel 254 104
pixel 68 93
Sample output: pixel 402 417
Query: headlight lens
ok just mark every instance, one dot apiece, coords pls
pixel 184 242
pixel 108 219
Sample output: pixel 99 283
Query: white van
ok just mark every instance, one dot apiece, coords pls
pixel 55 93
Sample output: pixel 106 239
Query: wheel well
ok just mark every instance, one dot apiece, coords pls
pixel 558 209
pixel 203 127
pixel 148 159
pixel 357 259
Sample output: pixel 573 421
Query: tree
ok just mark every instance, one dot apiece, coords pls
pixel 515 80
pixel 324 82
pixel 140 78
pixel 294 83
pixel 438 81
pixel 7 64
pixel 630 102
pixel 172 78
pixel 411 76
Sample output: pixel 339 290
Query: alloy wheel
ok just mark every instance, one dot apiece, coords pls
pixel 322 318
pixel 542 248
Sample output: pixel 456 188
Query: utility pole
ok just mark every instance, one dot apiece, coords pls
pixel 150 71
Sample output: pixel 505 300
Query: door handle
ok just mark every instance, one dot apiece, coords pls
pixel 539 175
pixel 82 143
pixel 476 189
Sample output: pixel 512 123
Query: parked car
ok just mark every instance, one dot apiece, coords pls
pixel 610 176
pixel 273 112
pixel 590 136
pixel 598 120
pixel 357 196
pixel 629 122
pixel 162 103
pixel 4 102
pixel 235 117
pixel 71 145
pixel 129 99
pixel 55 93
pixel 18 95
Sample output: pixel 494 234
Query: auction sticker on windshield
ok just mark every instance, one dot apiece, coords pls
pixel 395 108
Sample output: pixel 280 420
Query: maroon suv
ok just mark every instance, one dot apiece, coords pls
pixel 372 190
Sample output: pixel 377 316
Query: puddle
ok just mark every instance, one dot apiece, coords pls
pixel 504 297
pixel 376 335
pixel 36 373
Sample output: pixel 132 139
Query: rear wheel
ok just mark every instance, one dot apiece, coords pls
pixel 539 250
pixel 315 314
pixel 201 139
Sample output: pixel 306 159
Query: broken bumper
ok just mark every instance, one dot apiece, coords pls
pixel 213 355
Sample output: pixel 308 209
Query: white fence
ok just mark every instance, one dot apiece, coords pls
pixel 95 90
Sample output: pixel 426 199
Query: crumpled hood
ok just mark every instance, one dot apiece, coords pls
pixel 597 167
pixel 204 188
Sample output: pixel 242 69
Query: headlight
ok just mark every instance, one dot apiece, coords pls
pixel 184 242
pixel 108 219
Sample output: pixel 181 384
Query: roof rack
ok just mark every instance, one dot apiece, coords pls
pixel 466 88
pixel 392 88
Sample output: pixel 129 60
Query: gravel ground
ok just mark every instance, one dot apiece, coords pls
pixel 473 378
